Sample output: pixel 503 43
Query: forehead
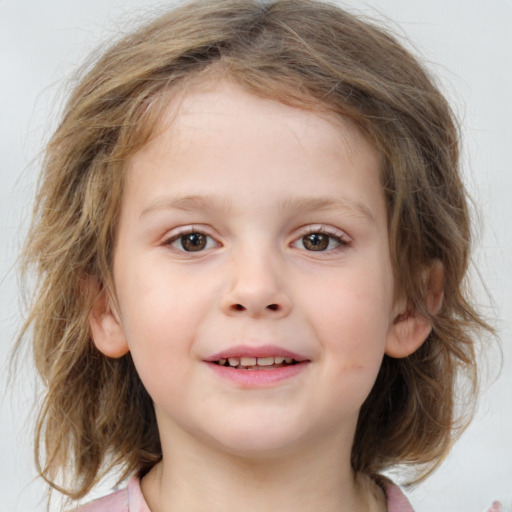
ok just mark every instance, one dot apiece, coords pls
pixel 202 104
pixel 218 133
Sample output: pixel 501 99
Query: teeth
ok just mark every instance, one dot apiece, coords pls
pixel 266 361
pixel 247 361
pixel 252 363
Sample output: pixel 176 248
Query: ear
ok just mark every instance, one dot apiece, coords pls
pixel 410 328
pixel 106 328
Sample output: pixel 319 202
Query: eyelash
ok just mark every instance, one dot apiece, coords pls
pixel 341 239
pixel 187 232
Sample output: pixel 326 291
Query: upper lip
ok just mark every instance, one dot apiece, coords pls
pixel 256 351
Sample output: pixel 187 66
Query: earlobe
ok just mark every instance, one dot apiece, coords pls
pixel 106 329
pixel 410 328
pixel 407 333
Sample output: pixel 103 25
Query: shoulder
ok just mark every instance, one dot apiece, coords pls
pixel 115 502
pixel 129 499
pixel 396 500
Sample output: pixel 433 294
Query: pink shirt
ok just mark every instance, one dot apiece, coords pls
pixel 131 500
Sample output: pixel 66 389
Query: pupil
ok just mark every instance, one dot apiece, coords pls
pixel 316 242
pixel 193 242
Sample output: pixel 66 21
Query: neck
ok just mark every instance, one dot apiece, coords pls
pixel 199 478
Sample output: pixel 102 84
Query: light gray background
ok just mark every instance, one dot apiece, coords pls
pixel 468 43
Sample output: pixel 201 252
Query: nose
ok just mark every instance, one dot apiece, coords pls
pixel 256 288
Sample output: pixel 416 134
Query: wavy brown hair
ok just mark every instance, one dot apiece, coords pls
pixel 96 414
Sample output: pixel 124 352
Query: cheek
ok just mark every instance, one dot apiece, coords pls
pixel 351 317
pixel 160 305
pixel 351 325
pixel 160 317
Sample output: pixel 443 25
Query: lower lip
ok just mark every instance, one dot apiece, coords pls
pixel 259 378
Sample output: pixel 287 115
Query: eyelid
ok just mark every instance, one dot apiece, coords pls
pixel 341 236
pixel 181 231
pixel 327 230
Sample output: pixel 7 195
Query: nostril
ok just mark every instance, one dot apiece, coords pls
pixel 241 307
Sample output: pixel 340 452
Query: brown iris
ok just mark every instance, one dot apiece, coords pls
pixel 193 242
pixel 315 242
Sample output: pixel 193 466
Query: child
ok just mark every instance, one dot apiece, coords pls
pixel 251 238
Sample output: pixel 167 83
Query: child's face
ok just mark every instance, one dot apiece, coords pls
pixel 249 228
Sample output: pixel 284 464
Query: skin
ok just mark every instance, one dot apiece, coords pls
pixel 256 178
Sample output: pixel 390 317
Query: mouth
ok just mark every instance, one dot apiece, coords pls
pixel 256 363
pixel 263 357
pixel 249 366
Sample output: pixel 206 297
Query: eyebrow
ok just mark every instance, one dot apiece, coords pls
pixel 303 204
pixel 350 207
pixel 187 203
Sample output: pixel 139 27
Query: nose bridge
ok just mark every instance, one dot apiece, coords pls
pixel 256 284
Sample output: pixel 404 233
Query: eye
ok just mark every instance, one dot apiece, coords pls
pixel 318 242
pixel 321 240
pixel 192 241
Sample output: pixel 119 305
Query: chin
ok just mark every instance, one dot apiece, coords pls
pixel 258 441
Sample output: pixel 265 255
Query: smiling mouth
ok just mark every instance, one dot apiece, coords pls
pixel 256 363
